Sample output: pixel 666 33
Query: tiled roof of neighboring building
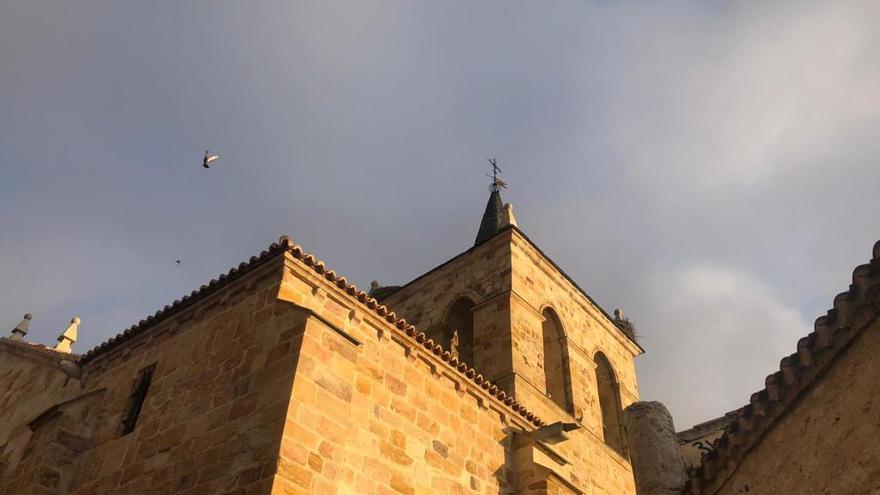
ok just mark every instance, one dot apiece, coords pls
pixel 286 245
pixel 41 349
pixel 851 313
pixel 381 293
pixel 700 430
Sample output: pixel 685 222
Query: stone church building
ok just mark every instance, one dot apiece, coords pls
pixel 492 373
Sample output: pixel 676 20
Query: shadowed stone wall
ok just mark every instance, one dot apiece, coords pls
pixel 212 418
pixel 827 444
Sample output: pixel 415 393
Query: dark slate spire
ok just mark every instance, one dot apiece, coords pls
pixel 493 218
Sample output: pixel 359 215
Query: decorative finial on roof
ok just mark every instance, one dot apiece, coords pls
pixel 507 217
pixel 497 215
pixel 21 329
pixel 497 184
pixel 374 287
pixel 68 338
pixel 379 291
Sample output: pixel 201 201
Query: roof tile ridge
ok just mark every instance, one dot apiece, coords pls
pixel 185 301
pixel 832 331
pixel 285 244
pixel 410 331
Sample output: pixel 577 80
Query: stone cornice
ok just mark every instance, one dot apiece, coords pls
pixel 576 293
pixel 325 283
pixel 421 278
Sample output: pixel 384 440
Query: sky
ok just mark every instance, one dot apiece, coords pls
pixel 708 166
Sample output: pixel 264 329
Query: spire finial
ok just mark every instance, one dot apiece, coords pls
pixel 494 216
pixel 497 184
pixel 68 338
pixel 21 329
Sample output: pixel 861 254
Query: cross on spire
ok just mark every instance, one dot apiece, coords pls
pixel 497 184
pixel 496 216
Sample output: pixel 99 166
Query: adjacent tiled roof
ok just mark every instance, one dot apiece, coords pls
pixel 41 349
pixel 383 292
pixel 700 430
pixel 851 313
pixel 492 216
pixel 186 301
pixel 285 245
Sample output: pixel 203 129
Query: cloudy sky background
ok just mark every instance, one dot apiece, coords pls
pixel 711 167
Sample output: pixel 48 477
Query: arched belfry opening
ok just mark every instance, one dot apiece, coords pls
pixel 460 319
pixel 609 402
pixel 556 367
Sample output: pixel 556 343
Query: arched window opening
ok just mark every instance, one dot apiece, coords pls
pixel 461 319
pixel 609 402
pixel 556 369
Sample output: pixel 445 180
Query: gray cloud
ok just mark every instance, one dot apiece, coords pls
pixel 708 166
pixel 726 327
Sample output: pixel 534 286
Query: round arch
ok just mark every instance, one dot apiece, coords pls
pixel 608 391
pixel 547 305
pixel 557 369
pixel 459 317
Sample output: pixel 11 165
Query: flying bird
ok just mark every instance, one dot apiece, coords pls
pixel 209 158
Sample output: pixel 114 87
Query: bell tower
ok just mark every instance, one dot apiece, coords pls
pixel 514 316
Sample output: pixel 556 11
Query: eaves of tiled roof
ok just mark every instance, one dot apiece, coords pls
pixel 285 245
pixel 853 311
pixel 186 301
pixel 702 429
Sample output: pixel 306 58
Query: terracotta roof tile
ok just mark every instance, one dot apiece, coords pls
pixel 186 300
pixel 851 312
pixel 419 337
pixel 285 245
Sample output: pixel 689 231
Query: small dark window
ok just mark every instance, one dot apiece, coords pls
pixel 136 400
